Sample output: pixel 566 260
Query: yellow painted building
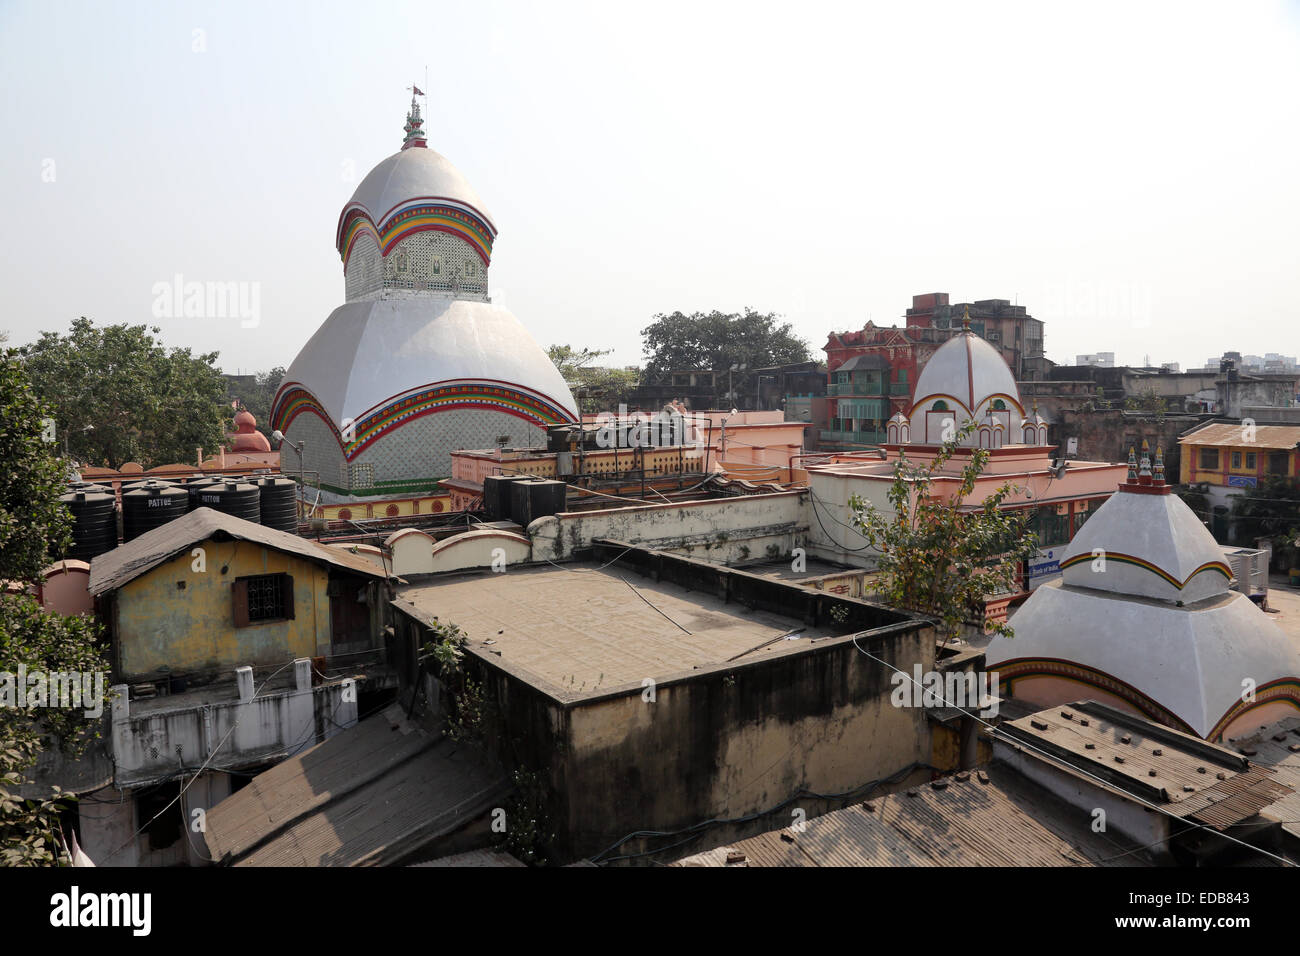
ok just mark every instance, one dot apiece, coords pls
pixel 1240 455
pixel 209 592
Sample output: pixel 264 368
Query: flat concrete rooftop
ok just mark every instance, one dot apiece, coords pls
pixel 588 630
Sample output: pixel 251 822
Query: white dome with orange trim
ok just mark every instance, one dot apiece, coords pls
pixel 967 379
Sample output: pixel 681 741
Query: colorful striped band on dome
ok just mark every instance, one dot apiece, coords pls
pixel 419 215
pixel 1137 562
pixel 427 400
pixel 1284 689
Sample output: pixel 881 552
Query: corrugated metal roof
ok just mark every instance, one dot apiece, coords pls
pixel 368 796
pixel 128 561
pixel 1186 775
pixel 1266 436
pixel 1273 748
pixel 990 818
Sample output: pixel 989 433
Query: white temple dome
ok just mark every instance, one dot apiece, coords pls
pixel 968 369
pixel 967 379
pixel 418 362
pixel 1143 618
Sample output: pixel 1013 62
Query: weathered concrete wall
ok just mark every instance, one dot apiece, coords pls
pixel 1278 390
pixel 831 535
pixel 723 740
pixel 162 741
pixel 1107 435
pixel 724 530
pixel 160 628
pixel 731 741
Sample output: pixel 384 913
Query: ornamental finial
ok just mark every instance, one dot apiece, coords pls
pixel 1132 464
pixel 1160 464
pixel 965 318
pixel 1145 470
pixel 414 123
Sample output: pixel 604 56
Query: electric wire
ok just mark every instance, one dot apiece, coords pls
pixel 215 749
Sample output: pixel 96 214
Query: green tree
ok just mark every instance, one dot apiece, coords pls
pixel 716 341
pixel 595 387
pixel 1271 511
pixel 1148 401
pixel 118 395
pixel 32 523
pixel 936 558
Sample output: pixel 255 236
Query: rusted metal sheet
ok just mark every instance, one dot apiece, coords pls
pixel 987 821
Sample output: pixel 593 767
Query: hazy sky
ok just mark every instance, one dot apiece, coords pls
pixel 1130 172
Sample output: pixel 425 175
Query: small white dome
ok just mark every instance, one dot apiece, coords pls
pixel 968 369
pixel 966 380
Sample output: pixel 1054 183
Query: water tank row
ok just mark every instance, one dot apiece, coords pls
pixel 151 503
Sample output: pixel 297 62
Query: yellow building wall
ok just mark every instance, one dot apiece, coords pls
pixel 160 626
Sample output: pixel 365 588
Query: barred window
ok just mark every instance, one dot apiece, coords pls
pixel 265 597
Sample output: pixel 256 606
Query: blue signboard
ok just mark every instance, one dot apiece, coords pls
pixel 1044 565
pixel 1242 481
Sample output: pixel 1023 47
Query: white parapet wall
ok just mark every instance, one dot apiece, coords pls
pixel 157 739
pixel 723 530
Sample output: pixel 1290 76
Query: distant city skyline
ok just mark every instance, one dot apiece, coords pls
pixel 1125 172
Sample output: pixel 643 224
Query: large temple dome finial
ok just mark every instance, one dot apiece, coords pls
pixel 414 123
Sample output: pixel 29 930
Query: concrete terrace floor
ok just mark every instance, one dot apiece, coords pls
pixel 1284 609
pixel 585 630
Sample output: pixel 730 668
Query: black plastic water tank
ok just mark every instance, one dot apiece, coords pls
pixel 279 503
pixel 547 497
pixel 150 506
pixel 148 483
pixel 497 500
pixel 94 523
pixel 89 486
pixel 557 438
pixel 536 498
pixel 236 498
pixel 195 485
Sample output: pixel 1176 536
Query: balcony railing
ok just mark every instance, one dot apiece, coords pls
pixel 856 388
pixel 869 390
